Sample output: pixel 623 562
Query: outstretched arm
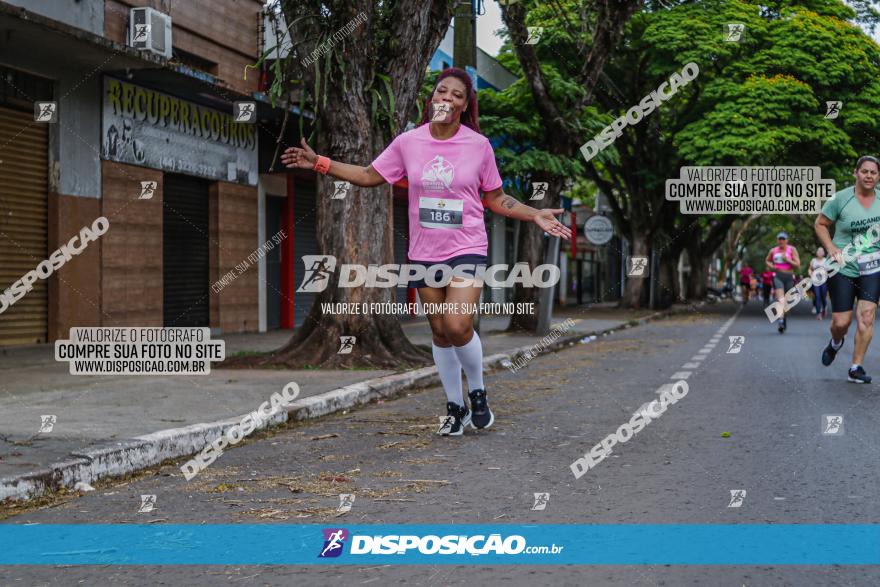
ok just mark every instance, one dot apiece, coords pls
pixel 305 157
pixel 501 203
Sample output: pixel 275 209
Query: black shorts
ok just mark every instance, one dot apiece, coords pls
pixel 477 260
pixel 844 290
pixel 783 280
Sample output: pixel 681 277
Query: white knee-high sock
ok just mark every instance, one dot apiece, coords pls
pixel 471 358
pixel 450 372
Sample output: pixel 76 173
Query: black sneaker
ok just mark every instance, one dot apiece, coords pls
pixel 781 326
pixel 829 353
pixel 457 417
pixel 482 415
pixel 858 375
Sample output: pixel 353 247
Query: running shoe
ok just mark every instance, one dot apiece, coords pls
pixel 829 353
pixel 457 417
pixel 781 328
pixel 482 415
pixel 858 375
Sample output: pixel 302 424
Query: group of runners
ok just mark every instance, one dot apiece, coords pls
pixel 854 289
pixel 448 163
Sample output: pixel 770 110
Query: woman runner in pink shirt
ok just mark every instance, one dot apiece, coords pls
pixel 448 163
pixel 783 259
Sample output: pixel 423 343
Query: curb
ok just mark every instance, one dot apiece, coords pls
pixel 120 458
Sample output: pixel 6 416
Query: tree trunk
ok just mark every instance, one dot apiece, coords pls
pixel 699 280
pixel 356 229
pixel 636 290
pixel 532 246
pixel 668 289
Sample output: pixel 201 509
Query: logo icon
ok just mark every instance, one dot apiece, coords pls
pixel 637 266
pixel 245 112
pixel 539 190
pixel 446 423
pixel 736 344
pixel 535 34
pixel 832 424
pixel 141 33
pixel 437 174
pixel 148 188
pixel 148 504
pixel 440 111
pixel 832 109
pixel 45 112
pixel 340 190
pixel 734 32
pixel 334 541
pixel 346 500
pixel 541 500
pixel 346 345
pixel 318 270
pixel 737 496
pixel 47 423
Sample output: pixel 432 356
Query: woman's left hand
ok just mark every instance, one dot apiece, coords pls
pixel 546 219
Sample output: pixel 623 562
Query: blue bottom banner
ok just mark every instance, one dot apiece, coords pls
pixel 501 544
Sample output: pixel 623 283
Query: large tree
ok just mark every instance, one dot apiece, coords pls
pixel 759 101
pixel 370 57
pixel 561 72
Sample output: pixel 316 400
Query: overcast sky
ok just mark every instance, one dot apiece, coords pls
pixel 487 24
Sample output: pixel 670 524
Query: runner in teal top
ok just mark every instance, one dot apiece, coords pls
pixel 852 212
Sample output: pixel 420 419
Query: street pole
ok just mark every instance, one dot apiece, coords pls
pixel 464 55
pixel 545 299
pixel 465 36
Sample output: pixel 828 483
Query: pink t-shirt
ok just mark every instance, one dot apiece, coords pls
pixel 781 258
pixel 445 180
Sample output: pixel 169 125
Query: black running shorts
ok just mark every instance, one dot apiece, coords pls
pixel 454 262
pixel 783 280
pixel 844 290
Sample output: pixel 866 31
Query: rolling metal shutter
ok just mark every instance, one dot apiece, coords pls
pixel 24 189
pixel 185 240
pixel 401 240
pixel 305 242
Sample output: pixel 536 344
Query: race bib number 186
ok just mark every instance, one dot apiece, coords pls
pixel 440 212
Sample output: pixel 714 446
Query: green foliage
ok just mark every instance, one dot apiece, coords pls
pixel 326 19
pixel 760 101
pixel 764 98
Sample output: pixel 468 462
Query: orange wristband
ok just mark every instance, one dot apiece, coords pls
pixel 322 165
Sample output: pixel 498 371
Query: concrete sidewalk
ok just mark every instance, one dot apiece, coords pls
pixel 113 425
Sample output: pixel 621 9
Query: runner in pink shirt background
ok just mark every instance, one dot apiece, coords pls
pixel 448 163
pixel 745 281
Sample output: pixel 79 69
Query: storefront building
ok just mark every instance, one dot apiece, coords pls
pixel 144 138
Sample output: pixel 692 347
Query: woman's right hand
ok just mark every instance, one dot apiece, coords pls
pixel 836 254
pixel 296 158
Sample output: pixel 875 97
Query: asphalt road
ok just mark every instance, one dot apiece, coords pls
pixel 771 398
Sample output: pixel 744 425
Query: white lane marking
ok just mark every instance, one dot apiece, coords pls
pixel 690 365
pixel 681 375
